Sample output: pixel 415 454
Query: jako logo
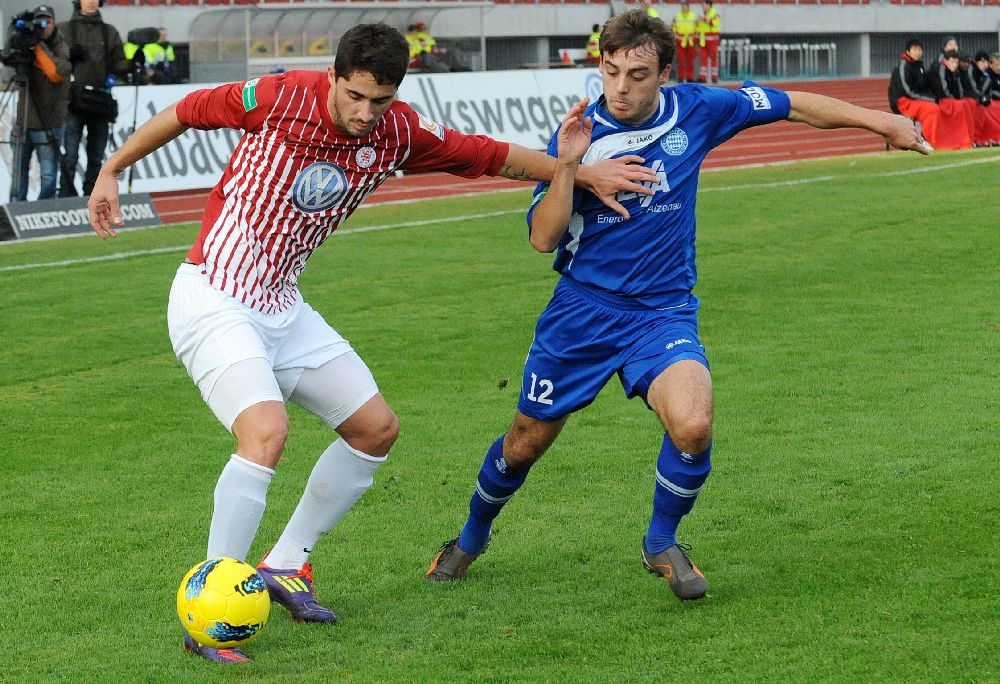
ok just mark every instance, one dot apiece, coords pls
pixel 677 342
pixel 319 186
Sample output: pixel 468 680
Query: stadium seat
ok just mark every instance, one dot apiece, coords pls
pixel 290 47
pixel 262 47
pixel 319 46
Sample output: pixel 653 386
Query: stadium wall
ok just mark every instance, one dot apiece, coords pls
pixel 861 39
pixel 866 39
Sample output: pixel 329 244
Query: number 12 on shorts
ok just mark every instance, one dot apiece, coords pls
pixel 544 389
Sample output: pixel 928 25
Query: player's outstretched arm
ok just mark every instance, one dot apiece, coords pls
pixel 104 204
pixel 828 112
pixel 605 178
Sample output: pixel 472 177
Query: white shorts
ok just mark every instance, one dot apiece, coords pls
pixel 239 357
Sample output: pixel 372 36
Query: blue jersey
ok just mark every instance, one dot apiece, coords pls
pixel 650 258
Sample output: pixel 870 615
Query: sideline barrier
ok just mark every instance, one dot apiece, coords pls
pixel 46 218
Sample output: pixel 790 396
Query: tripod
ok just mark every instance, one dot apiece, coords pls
pixel 138 77
pixel 18 143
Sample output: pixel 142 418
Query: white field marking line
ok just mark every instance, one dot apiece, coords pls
pixel 468 217
pixel 184 248
pixel 823 179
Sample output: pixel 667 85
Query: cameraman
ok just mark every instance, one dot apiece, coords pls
pixel 98 59
pixel 40 57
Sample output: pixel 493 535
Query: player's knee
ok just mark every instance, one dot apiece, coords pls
pixel 387 434
pixel 520 451
pixel 692 434
pixel 263 441
pixel 377 436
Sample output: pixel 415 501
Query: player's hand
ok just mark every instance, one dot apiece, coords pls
pixel 903 134
pixel 608 177
pixel 573 140
pixel 104 206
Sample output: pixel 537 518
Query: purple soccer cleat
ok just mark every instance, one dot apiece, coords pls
pixel 229 656
pixel 294 590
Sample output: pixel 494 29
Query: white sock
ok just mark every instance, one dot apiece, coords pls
pixel 240 497
pixel 339 478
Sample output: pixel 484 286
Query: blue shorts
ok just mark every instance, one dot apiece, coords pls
pixel 584 337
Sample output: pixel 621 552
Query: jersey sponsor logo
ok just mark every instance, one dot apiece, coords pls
pixel 319 186
pixel 674 143
pixel 663 208
pixel 641 139
pixel 660 185
pixel 365 157
pixel 431 126
pixel 250 94
pixel 758 97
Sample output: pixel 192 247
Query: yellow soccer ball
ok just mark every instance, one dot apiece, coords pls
pixel 223 603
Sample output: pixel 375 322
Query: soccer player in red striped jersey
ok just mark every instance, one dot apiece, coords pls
pixel 314 146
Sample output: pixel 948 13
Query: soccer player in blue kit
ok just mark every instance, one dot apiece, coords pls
pixel 624 304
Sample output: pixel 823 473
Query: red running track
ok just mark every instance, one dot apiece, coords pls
pixel 780 142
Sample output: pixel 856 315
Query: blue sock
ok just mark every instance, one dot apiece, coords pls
pixel 495 486
pixel 679 478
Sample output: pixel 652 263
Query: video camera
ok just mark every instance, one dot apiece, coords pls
pixel 25 32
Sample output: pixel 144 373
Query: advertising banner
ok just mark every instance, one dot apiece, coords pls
pixel 522 107
pixel 46 218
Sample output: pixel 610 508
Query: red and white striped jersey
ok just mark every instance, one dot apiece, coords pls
pixel 295 177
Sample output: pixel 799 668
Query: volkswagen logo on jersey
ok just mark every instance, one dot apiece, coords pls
pixel 674 143
pixel 319 186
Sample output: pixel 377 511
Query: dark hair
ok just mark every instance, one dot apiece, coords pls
pixel 378 49
pixel 913 42
pixel 635 28
pixel 951 54
pixel 981 55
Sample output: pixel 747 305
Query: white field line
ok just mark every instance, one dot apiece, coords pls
pixel 472 217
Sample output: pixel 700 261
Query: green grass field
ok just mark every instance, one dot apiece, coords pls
pixel 848 531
